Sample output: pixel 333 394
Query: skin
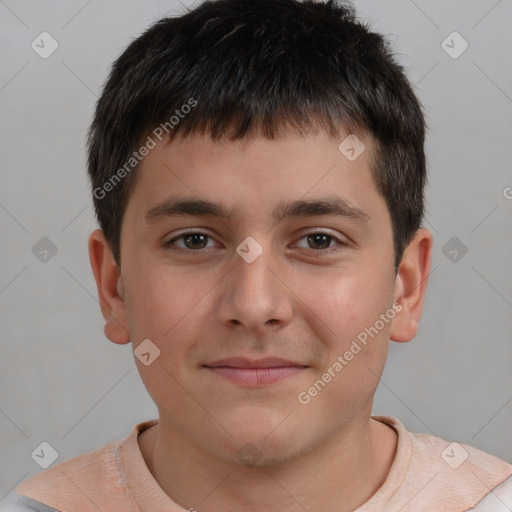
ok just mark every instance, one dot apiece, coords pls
pixel 206 303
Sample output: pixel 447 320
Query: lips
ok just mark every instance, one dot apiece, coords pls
pixel 255 372
pixel 241 362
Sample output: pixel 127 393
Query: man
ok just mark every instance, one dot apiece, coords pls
pixel 258 174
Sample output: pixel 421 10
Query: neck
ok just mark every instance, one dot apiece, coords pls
pixel 337 476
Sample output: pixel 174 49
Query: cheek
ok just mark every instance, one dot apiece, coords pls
pixel 165 309
pixel 163 302
pixel 347 311
pixel 354 349
pixel 344 304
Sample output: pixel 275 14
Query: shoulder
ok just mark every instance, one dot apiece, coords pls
pixel 75 480
pixel 88 482
pixel 451 476
pixel 462 472
pixel 93 465
pixel 498 499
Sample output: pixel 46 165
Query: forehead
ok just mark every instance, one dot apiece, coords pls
pixel 257 175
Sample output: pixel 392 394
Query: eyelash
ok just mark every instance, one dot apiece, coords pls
pixel 169 244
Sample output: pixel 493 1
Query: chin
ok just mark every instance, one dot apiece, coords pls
pixel 258 423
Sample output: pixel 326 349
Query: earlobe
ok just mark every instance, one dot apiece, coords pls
pixel 110 288
pixel 411 285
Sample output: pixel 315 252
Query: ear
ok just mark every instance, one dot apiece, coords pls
pixel 110 288
pixel 411 286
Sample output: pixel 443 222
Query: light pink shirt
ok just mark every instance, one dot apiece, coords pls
pixel 428 474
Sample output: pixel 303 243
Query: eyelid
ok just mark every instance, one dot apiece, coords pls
pixel 190 231
pixel 321 231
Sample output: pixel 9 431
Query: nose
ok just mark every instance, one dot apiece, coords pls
pixel 254 296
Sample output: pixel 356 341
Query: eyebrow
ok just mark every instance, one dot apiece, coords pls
pixel 331 205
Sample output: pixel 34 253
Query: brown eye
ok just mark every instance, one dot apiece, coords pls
pixel 190 241
pixel 195 241
pixel 319 241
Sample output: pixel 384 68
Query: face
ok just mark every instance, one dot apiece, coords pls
pixel 255 266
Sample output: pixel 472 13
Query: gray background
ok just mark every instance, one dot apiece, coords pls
pixel 63 382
